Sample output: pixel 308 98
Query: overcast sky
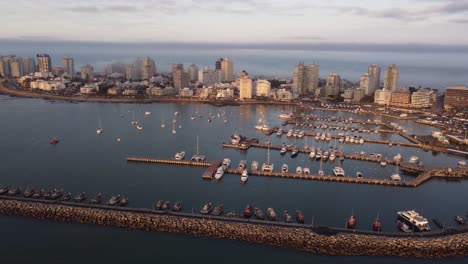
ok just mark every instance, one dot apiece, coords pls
pixel 238 21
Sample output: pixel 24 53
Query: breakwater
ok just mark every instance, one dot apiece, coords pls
pixel 295 237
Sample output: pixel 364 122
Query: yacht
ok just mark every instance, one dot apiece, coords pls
pixel 226 163
pixel 318 154
pixel 99 131
pixel 284 168
pixel 219 173
pixel 359 175
pixel 271 214
pixel 306 170
pixel 242 165
pixel 461 164
pixel 198 157
pixel 312 153
pixel 267 167
pixel 395 177
pixel 415 221
pixel 139 127
pixel 413 160
pixel 244 176
pixel 299 170
pixel 338 171
pixel 179 155
pixel 254 165
pixel 325 156
pixel 206 208
pixel 283 150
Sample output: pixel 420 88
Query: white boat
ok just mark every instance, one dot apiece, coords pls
pixel 290 133
pixel 285 116
pixel 338 171
pixel 461 164
pixel 414 220
pixel 361 141
pixel 397 157
pixel 299 170
pixel 254 165
pixel 283 150
pixel 312 153
pixel 279 132
pixel 284 168
pixel 226 163
pixel 242 165
pixel 244 176
pixel 118 140
pixel 306 170
pixel 99 131
pixel 162 123
pixel 179 155
pixel 383 163
pixel 413 160
pixel 395 177
pixel 318 154
pixel 267 167
pixel 219 173
pixel 176 113
pixel 147 113
pixel 193 117
pixel 332 156
pixel 139 127
pixel 359 175
pixel 198 157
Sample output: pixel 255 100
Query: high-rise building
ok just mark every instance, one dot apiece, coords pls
pixel 392 76
pixel 16 66
pixel 148 68
pixel 245 87
pixel 382 97
pixel 5 66
pixel 227 70
pixel 139 68
pixel 131 72
pixel 69 66
pixel 400 99
pixel 366 83
pixel 179 76
pixel 358 95
pixel 87 72
pixel 263 88
pixel 44 62
pixel 333 85
pixel 305 78
pixel 193 73
pixel 456 97
pixel 29 65
pixel 421 99
pixel 218 64
pixel 209 77
pixel 374 78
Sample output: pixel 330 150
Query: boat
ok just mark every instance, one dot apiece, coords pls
pixel 325 155
pixel 294 152
pixel 97 199
pixel 4 189
pixel 177 207
pixel 279 132
pixel 271 214
pixel 287 217
pixel 226 163
pixel 219 173
pixel 242 164
pixel 166 206
pixel 413 160
pixel 13 191
pixel 244 176
pixel 338 171
pixel 351 223
pixel 99 131
pixel 158 205
pixel 299 217
pixel 359 175
pixel 176 113
pixel 397 157
pixel 267 167
pixel 299 170
pixel 312 153
pixel 460 220
pixel 248 211
pixel 290 133
pixel 438 223
pixel 114 200
pixel 461 164
pixel 284 168
pixel 29 192
pixel 206 208
pixel 383 163
pixel 162 122
pixel 123 201
pixel 403 227
pixel 320 171
pixel 139 127
pixel 179 155
pixel 218 210
pixel 414 220
pixel 332 156
pixel 395 177
pixel 285 116
pixel 80 197
pixel 55 194
pixel 147 113
pixel 66 197
pixel 254 165
pixel 306 170
pixel 40 194
pixel 54 141
pixel 377 225
pixel 198 157
pixel 283 150
pixel 258 214
pixel 118 140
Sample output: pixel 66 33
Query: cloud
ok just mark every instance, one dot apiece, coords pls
pixel 94 9
pixel 460 20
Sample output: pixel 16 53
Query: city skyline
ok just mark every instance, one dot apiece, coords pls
pixel 370 22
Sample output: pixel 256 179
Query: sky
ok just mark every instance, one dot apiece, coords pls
pixel 433 22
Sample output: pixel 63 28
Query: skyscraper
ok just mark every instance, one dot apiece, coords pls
pixel 148 68
pixel 312 74
pixel 245 86
pixel 44 62
pixel 392 76
pixel 333 85
pixel 193 73
pixel 5 66
pixel 179 76
pixel 16 65
pixel 131 72
pixel 305 78
pixel 69 66
pixel 209 77
pixel 374 76
pixel 227 70
pixel 218 64
pixel 366 83
pixel 29 65
pixel 299 79
pixel 87 72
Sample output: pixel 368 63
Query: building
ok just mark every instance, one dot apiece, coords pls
pixel 87 72
pixel 284 95
pixel 209 77
pixel 392 76
pixel 382 97
pixel 179 77
pixel 245 87
pixel 400 99
pixel 69 66
pixel 421 99
pixel 148 68
pixel 29 65
pixel 16 67
pixel 374 79
pixel 305 78
pixel 115 91
pixel 193 73
pixel 186 92
pixel 218 64
pixel 333 85
pixel 366 83
pixel 47 85
pixel 58 71
pixel 359 94
pixel 456 97
pixel 131 72
pixel 348 95
pixel 227 70
pixel 263 88
pixel 5 67
pixel 44 62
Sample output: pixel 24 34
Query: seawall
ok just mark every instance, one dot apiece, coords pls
pixel 278 236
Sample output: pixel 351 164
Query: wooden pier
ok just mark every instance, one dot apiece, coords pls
pixel 208 174
pixel 169 161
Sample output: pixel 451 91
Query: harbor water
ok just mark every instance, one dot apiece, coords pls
pixel 86 162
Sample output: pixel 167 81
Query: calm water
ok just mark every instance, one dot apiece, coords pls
pixel 83 161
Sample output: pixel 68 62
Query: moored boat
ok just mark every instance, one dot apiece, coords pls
pixel 287 217
pixel 218 210
pixel 254 165
pixel 97 199
pixel 359 175
pixel 80 197
pixel 179 155
pixel 158 205
pixel 226 163
pixel 219 173
pixel 4 189
pixel 66 197
pixel 299 217
pixel 14 191
pixel 271 214
pixel 206 209
pixel 351 223
pixel 377 225
pixel 166 206
pixel 29 192
pixel 460 220
pixel 177 207
pixel 54 141
pixel 123 201
pixel 258 214
pixel 114 200
pixel 244 176
pixel 403 227
pixel 248 211
pixel 414 220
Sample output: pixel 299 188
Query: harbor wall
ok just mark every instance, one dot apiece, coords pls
pixel 278 236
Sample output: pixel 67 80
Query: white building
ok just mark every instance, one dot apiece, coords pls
pixel 227 70
pixel 47 85
pixel 87 72
pixel 366 83
pixel 131 72
pixel 263 88
pixel 209 77
pixel 148 68
pixel 245 87
pixel 392 76
pixel 374 79
pixel 382 97
pixel 224 93
pixel 284 95
pixel 186 92
pixel 69 66
pixel 421 99
pixel 348 95
pixel 193 73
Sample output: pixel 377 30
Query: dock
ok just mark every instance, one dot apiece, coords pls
pixel 208 174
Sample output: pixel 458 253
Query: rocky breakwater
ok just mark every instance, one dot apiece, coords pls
pixel 296 238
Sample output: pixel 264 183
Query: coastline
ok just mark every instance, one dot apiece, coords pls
pixel 299 238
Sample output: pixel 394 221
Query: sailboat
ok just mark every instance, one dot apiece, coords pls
pixel 99 130
pixel 377 225
pixel 267 167
pixel 162 122
pixel 173 128
pixel 320 172
pixel 312 151
pixel 197 157
pixel 133 118
pixel 395 176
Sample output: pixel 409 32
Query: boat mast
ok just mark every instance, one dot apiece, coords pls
pixel 197 145
pixel 268 155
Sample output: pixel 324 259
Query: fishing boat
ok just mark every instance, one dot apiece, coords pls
pixel 114 200
pixel 218 210
pixel 299 217
pixel 166 206
pixel 80 197
pixel 271 214
pixel 359 175
pixel 460 220
pixel 123 201
pixel 351 223
pixel 244 176
pixel 377 225
pixel 158 205
pixel 177 207
pixel 287 217
pixel 54 141
pixel 248 211
pixel 254 165
pixel 206 209
pixel 198 157
pixel 97 199
pixel 259 214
